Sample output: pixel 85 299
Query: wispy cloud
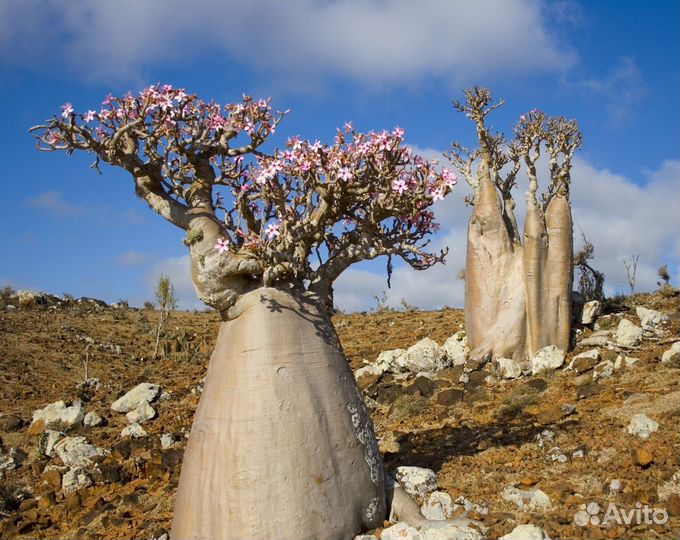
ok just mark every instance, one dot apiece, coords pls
pixel 622 90
pixel 371 41
pixel 133 258
pixel 53 202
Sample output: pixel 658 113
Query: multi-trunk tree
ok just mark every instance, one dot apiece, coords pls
pixel 281 445
pixel 517 285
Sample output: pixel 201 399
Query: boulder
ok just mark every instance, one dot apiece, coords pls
pixel 671 357
pixel 590 312
pixel 601 338
pixel 417 481
pixel 642 426
pixel 386 360
pixel 141 414
pixel 527 500
pixel 57 415
pixel 74 479
pixel 509 368
pixel 77 452
pixel 547 358
pixel 133 431
pixel 628 334
pixel 438 506
pixel 650 319
pixel 368 375
pixel 457 349
pixel 426 355
pixel 142 392
pixel 526 532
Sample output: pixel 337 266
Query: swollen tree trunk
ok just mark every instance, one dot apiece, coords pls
pixel 494 293
pixel 281 445
pixel 518 296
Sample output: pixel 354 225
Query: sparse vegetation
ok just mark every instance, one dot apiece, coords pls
pixel 166 301
pixel 591 281
pixel 631 263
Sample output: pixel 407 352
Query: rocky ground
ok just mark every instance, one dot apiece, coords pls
pixel 494 442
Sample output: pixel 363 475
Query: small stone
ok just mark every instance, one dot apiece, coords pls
pixel 628 334
pixel 134 431
pixel 417 481
pixel 624 361
pixel 167 440
pixel 141 414
pixel 388 444
pixel 386 360
pixel 509 368
pixel 527 500
pixel 142 392
pixel 368 375
pixel 526 532
pixel 641 456
pixel 590 312
pixel 456 348
pixel 673 505
pixel 47 440
pixel 458 529
pixel 603 370
pixel 438 506
pixel 671 357
pixel 642 426
pixel 547 358
pixel 13 459
pixel 93 419
pixel 615 485
pixel 585 361
pixel 74 479
pixel 77 452
pixel 529 481
pixel 400 531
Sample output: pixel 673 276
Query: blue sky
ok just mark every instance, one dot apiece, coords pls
pixel 613 65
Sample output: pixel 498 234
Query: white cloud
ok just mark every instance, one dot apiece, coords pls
pixel 53 202
pixel 369 40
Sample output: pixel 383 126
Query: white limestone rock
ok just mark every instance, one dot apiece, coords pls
pixel 628 334
pixel 57 415
pixel 457 349
pixel 547 358
pixel 133 431
pixel 509 368
pixel 642 426
pixel 526 532
pixel 74 479
pixel 590 312
pixel 77 452
pixel 527 500
pixel 417 481
pixel 671 357
pixel 438 506
pixel 142 392
pixel 426 355
pixel 141 414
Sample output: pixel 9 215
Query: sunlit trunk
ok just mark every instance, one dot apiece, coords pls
pixel 281 445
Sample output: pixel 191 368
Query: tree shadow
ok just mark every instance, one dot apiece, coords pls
pixel 434 447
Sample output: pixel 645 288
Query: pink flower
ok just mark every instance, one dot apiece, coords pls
pixel 399 185
pixel 398 133
pixel 180 95
pixel 66 110
pixel 316 146
pixel 438 195
pixel 272 230
pixel 52 136
pixel 89 116
pixel 222 245
pixel 450 178
pixel 522 118
pixel 348 126
pixel 534 111
pixel 345 174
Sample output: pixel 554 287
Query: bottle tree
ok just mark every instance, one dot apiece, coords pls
pixel 517 286
pixel 281 445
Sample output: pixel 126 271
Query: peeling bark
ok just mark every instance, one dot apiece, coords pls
pixel 282 445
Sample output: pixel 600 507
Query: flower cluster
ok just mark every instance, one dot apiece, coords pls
pixel 363 196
